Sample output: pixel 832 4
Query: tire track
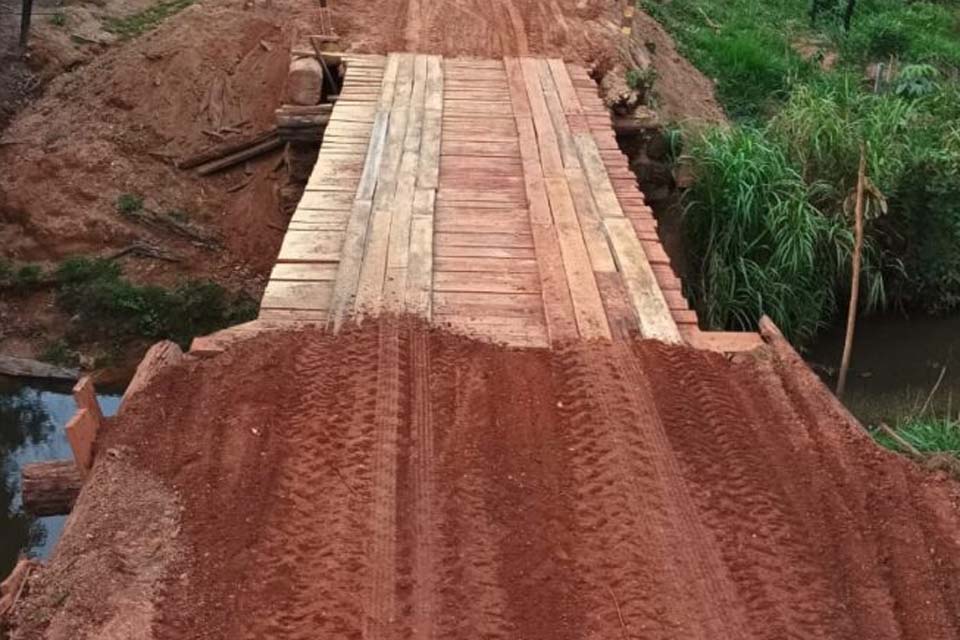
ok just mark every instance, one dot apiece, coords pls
pixel 380 602
pixel 633 497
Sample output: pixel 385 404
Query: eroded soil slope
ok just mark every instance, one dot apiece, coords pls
pixel 398 482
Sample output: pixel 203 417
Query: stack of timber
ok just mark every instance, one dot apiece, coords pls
pixel 297 123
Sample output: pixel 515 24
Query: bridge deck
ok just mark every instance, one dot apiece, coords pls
pixel 486 195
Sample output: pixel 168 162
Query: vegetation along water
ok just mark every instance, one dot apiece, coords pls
pixel 32 419
pixel 768 222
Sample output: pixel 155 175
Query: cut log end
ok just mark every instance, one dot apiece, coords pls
pixel 50 488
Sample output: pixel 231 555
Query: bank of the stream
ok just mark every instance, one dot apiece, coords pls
pixel 33 415
pixel 896 363
pixel 768 221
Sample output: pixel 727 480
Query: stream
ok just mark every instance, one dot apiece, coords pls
pixel 895 365
pixel 33 415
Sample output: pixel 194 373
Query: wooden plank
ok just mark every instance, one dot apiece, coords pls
pixel 348 275
pixel 492 265
pixel 587 304
pixel 568 94
pixel 590 224
pixel 284 294
pixel 653 315
pixel 453 251
pixel 315 271
pixel 311 246
pixel 463 303
pixel 485 282
pixel 428 171
pixel 550 158
pixel 483 148
pixel 557 304
pixel 325 201
pixel 518 240
pixel 596 173
pixel 568 150
pixel 402 207
pixel 373 270
pixel 419 283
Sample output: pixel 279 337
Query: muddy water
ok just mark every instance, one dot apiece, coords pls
pixel 32 418
pixel 895 364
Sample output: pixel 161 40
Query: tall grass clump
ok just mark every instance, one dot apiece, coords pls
pixel 761 246
pixel 925 434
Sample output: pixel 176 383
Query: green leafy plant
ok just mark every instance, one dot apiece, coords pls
pixel 58 19
pixel 916 81
pixel 108 305
pixel 129 203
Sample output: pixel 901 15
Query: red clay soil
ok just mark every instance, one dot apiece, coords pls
pixel 402 482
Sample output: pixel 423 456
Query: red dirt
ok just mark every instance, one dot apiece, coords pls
pixel 398 482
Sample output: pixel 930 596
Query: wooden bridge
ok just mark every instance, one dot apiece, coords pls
pixel 486 195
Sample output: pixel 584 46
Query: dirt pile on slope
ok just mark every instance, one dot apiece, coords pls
pixel 398 481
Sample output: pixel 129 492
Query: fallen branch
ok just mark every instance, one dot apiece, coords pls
pixel 273 143
pixel 144 251
pixel 227 148
pixel 906 446
pixel 933 391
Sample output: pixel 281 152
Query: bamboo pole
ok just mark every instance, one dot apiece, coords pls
pixel 855 280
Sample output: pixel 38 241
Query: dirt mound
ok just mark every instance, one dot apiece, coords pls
pixel 113 126
pixel 397 481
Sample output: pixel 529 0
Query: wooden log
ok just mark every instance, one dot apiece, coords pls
pixel 304 81
pixel 50 488
pixel 287 120
pixel 311 134
pixel 225 163
pixel 225 149
pixel 316 109
pixel 26 368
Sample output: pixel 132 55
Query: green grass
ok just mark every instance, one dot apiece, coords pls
pixel 768 223
pixel 19 277
pixel 107 305
pixel 147 19
pixel 129 203
pixel 925 434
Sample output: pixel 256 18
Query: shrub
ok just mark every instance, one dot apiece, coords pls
pixel 108 305
pixel 129 203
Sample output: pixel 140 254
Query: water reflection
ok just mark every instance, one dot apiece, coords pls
pixel 32 419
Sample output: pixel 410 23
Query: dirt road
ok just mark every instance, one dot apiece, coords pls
pixel 427 486
pixel 575 29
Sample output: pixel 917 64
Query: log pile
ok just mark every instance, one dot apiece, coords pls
pixel 301 123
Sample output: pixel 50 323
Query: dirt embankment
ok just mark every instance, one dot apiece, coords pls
pixel 427 485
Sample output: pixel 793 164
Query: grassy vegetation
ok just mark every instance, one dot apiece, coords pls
pixel 768 221
pixel 129 203
pixel 926 435
pixel 104 305
pixel 147 19
pixel 109 305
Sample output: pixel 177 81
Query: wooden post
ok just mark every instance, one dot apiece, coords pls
pixel 82 435
pixel 85 395
pixel 25 14
pixel 855 280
